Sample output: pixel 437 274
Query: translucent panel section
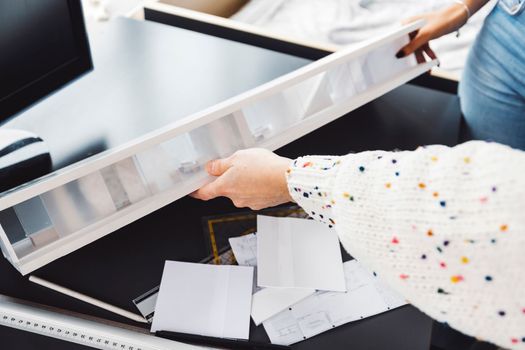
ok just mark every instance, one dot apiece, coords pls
pixel 342 83
pixel 125 183
pixel 363 73
pixel 79 203
pixel 278 112
pixel 348 80
pixel 374 62
pixel 218 139
pixel 160 167
pixel 28 225
pixel 179 159
pixel 69 208
pixel 33 216
pixel 316 95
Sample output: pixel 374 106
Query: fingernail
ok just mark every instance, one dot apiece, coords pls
pixel 400 54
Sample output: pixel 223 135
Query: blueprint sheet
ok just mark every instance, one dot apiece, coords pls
pixel 245 249
pixel 366 296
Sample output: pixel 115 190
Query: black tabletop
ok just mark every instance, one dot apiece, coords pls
pixel 128 262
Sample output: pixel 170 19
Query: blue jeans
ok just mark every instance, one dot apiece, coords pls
pixel 492 89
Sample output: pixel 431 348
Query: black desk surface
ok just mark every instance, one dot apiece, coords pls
pixel 129 262
pixel 146 75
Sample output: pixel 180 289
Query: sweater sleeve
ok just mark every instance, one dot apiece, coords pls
pixel 443 226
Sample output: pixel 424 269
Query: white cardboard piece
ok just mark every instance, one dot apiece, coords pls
pixel 298 253
pixel 210 300
pixel 266 302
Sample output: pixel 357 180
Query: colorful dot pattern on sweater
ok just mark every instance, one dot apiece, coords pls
pixel 324 164
pixel 449 255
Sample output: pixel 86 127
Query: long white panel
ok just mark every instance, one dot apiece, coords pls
pixel 89 199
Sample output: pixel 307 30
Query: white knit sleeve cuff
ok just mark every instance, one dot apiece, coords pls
pixel 310 182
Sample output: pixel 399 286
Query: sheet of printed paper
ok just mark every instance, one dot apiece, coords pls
pixel 366 296
pixel 298 253
pixel 211 300
pixel 269 302
pixel 245 249
pixel 266 302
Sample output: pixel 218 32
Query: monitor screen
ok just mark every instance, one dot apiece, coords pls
pixel 43 45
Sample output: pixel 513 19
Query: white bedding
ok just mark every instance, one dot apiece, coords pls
pixel 345 22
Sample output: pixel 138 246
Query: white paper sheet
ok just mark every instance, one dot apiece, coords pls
pixel 298 253
pixel 270 301
pixel 366 296
pixel 266 302
pixel 211 300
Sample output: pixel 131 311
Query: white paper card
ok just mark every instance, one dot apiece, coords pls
pixel 366 296
pixel 270 301
pixel 211 300
pixel 266 302
pixel 245 249
pixel 298 253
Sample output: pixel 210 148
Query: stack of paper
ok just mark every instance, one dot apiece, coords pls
pixel 211 300
pixel 266 302
pixel 272 232
pixel 307 289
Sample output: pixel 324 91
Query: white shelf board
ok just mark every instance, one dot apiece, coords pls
pixel 235 105
pixel 89 165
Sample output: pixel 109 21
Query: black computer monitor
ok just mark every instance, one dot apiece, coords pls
pixel 43 45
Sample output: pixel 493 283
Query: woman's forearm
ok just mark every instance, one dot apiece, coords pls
pixel 475 5
pixel 438 23
pixel 458 14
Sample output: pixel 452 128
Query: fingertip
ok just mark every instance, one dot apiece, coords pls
pixel 217 167
pixel 400 54
pixel 195 194
pixel 206 192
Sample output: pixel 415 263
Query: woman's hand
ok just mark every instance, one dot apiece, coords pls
pixel 254 178
pixel 439 23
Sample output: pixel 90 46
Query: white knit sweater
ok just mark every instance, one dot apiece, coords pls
pixel 444 226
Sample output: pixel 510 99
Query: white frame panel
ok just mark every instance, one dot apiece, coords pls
pixel 235 105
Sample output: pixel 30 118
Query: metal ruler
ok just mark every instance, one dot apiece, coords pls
pixel 80 329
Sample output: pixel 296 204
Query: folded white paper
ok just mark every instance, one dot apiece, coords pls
pixel 211 300
pixel 298 253
pixel 266 302
pixel 322 311
pixel 270 301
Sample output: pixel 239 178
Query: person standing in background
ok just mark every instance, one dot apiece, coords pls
pixel 492 88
